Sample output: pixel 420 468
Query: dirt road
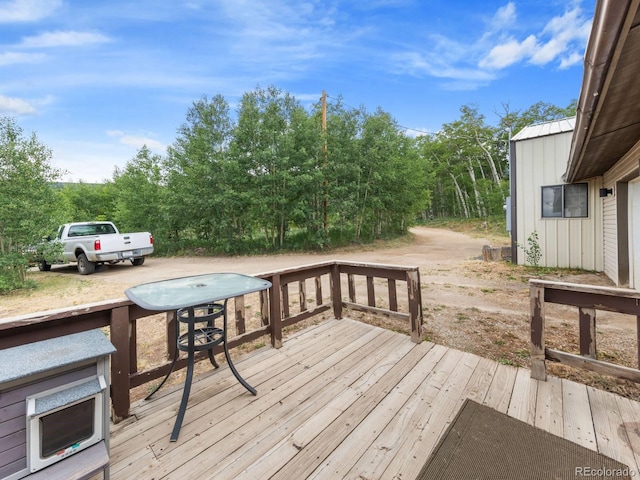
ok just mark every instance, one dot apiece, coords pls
pixel 451 269
pixel 472 305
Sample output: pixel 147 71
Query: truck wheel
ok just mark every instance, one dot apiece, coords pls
pixel 44 266
pixel 85 267
pixel 137 261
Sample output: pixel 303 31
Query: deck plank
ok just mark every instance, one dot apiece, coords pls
pixel 396 405
pixel 549 406
pixel 266 438
pixel 523 400
pixel 630 415
pixel 209 429
pixel 499 394
pixel 611 436
pixel 347 400
pixel 445 408
pixel 576 411
pixel 317 448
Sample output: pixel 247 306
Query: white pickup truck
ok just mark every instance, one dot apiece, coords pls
pixel 96 243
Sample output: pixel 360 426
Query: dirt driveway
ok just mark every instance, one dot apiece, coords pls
pixel 476 306
pixel 452 274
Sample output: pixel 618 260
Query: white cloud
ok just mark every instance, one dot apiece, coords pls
pixel 12 58
pixel 137 141
pixel 472 64
pixel 508 53
pixel 67 38
pixel 15 106
pixel 27 10
pixel 442 65
pixel 562 38
pixel 504 16
pixel 567 32
pixel 570 60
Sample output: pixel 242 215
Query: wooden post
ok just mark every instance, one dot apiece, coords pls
pixel 415 305
pixel 538 367
pixel 264 307
pixel 133 346
pixel 318 290
pixel 302 295
pixel 120 362
pixel 336 291
pixel 172 339
pixel 393 295
pixel 587 331
pixel 285 301
pixel 276 312
pixel 371 293
pixel 240 315
pixel 352 287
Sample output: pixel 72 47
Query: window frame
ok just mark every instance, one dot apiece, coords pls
pixel 563 187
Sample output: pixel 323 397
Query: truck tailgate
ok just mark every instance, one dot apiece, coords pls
pixel 124 242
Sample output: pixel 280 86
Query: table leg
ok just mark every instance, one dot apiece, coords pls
pixel 173 362
pixel 187 383
pixel 226 354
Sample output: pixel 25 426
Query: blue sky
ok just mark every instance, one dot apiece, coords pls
pixel 96 80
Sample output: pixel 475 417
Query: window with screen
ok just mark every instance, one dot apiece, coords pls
pixel 565 201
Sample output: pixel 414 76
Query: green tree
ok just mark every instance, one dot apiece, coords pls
pixel 342 169
pixel 266 153
pixel 28 210
pixel 140 194
pixel 84 202
pixel 469 164
pixel 539 112
pixel 204 203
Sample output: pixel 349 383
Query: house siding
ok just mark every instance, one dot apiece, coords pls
pixel 565 242
pixel 610 237
pixel 615 216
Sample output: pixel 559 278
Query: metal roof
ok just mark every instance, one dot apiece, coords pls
pixel 547 128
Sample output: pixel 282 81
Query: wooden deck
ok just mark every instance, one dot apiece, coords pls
pixel 347 400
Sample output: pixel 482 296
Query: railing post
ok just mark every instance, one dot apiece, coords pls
pixel 538 367
pixel 415 305
pixel 276 312
pixel 120 363
pixel 302 295
pixel 241 323
pixel 264 307
pixel 172 338
pixel 318 281
pixel 336 291
pixel 393 295
pixel 371 293
pixel 587 331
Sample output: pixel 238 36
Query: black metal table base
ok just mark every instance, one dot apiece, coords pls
pixel 198 339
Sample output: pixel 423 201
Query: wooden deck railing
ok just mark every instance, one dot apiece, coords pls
pixel 276 311
pixel 588 299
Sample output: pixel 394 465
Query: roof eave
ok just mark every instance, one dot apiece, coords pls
pixel 600 58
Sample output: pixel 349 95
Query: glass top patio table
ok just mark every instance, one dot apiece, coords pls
pixel 184 292
pixel 186 295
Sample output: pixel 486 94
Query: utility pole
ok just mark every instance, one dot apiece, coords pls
pixel 324 164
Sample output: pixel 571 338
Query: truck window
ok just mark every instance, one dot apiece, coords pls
pixel 91 229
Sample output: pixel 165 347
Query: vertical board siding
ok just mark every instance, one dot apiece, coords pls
pixel 625 170
pixel 610 237
pixel 564 242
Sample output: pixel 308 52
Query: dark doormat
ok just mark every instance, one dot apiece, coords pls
pixel 482 443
